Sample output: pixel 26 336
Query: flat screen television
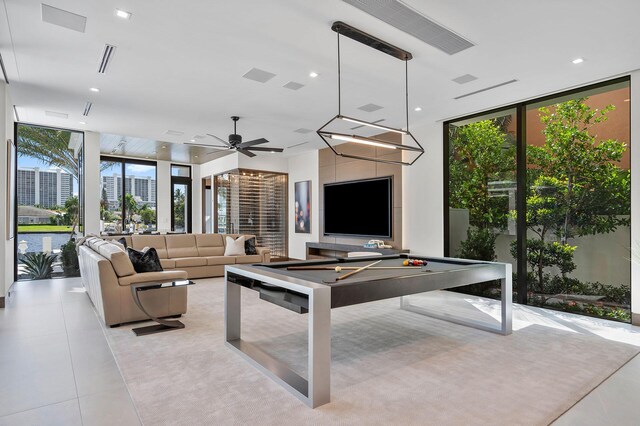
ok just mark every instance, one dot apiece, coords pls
pixel 359 208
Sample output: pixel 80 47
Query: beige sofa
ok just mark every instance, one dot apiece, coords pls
pixel 200 255
pixel 107 272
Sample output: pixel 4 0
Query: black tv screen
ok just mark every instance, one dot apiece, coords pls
pixel 361 208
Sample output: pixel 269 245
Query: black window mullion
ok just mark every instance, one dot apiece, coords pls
pixel 521 204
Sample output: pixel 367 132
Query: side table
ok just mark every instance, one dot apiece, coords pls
pixel 163 324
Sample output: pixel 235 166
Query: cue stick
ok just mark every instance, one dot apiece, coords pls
pixel 332 268
pixel 348 274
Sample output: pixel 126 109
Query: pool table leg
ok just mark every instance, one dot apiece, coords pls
pixel 313 390
pixel 505 326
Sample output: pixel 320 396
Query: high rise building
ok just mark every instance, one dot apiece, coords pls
pixel 143 189
pixel 45 188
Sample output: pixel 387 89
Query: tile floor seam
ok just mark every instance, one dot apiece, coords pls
pixel 73 369
pixel 37 408
pixel 595 387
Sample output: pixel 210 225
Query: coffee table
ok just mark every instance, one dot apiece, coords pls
pixel 163 324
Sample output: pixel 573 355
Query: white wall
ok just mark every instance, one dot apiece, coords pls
pixel 422 206
pixel 91 182
pixel 7 248
pixel 304 167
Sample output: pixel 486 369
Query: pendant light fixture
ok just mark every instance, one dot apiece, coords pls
pixel 409 153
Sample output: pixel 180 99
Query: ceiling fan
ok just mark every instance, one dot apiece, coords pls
pixel 235 143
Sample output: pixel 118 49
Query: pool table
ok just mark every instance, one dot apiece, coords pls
pixel 317 286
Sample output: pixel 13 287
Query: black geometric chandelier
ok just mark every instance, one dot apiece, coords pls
pixel 406 154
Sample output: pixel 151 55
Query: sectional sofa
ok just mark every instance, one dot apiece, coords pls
pixel 107 273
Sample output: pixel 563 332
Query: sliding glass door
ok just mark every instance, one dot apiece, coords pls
pixel 546 186
pixel 180 199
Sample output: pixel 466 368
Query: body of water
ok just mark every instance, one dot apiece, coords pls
pixel 34 240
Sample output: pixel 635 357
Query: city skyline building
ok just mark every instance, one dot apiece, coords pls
pixel 45 188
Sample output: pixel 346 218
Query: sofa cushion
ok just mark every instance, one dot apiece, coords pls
pixel 168 263
pixel 145 261
pixel 220 260
pixel 233 247
pixel 139 242
pixel 186 262
pixel 181 246
pixel 210 244
pixel 254 258
pixel 153 277
pixel 119 259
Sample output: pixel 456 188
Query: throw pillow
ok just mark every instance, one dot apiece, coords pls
pixel 250 246
pixel 145 261
pixel 234 247
pixel 123 241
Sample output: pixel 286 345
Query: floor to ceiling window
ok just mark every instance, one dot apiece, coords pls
pixel 573 165
pixel 50 201
pixel 128 195
pixel 180 198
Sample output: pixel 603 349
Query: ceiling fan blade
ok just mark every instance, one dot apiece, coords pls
pixel 265 149
pixel 253 142
pixel 220 139
pixel 206 145
pixel 226 152
pixel 247 153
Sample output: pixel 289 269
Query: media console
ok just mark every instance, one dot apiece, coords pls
pixel 331 250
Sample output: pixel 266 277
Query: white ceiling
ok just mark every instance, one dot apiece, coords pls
pixel 179 65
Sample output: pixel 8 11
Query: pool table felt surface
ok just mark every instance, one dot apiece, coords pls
pixel 328 277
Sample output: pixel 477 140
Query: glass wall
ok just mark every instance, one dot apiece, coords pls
pixel 578 199
pixel 50 203
pixel 128 195
pixel 573 166
pixel 253 202
pixel 482 191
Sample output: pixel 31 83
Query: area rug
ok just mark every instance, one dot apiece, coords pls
pixel 389 366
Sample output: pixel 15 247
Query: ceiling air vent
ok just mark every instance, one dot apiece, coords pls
pixel 56 114
pixel 303 131
pixel 298 144
pixel 464 79
pixel 261 76
pixel 87 108
pixel 174 133
pixel 404 18
pixel 370 107
pixel 486 88
pixel 107 56
pixel 293 85
pixel 4 71
pixel 63 18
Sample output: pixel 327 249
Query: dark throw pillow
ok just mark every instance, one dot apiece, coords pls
pixel 250 246
pixel 145 261
pixel 123 241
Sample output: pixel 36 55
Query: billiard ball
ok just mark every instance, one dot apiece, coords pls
pixel 338 269
pixel 405 263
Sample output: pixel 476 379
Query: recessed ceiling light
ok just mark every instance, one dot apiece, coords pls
pixel 313 74
pixel 82 122
pixel 578 60
pixel 94 89
pixel 192 140
pixel 146 157
pixel 164 146
pixel 195 156
pixel 123 14
pixel 417 109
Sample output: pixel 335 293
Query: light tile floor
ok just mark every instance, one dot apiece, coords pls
pixel 56 367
